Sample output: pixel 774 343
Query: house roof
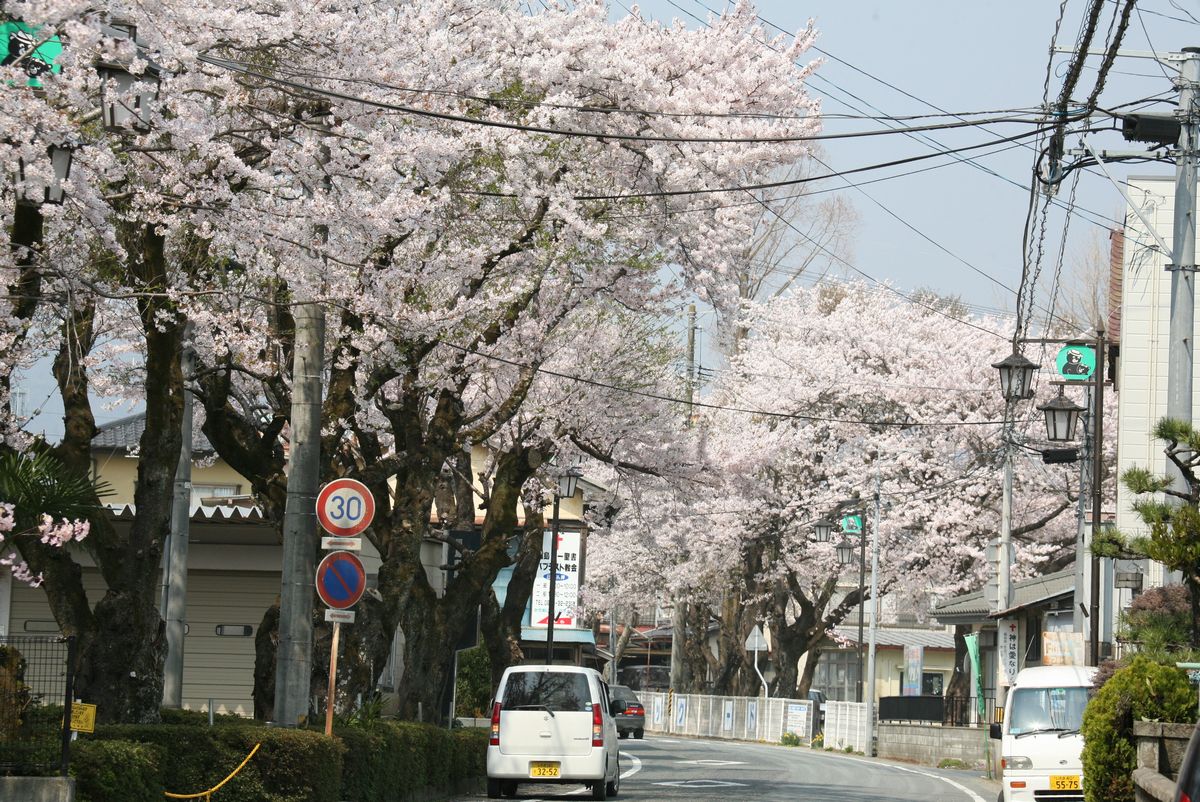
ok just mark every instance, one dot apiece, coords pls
pixel 200 513
pixel 125 434
pixel 973 607
pixel 901 636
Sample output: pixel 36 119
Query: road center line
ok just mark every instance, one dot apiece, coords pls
pixel 974 796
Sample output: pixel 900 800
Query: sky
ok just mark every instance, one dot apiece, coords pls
pixel 956 228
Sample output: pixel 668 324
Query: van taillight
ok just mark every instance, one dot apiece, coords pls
pixel 494 740
pixel 597 726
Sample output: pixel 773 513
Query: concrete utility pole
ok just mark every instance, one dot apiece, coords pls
pixel 293 662
pixel 1097 494
pixel 679 609
pixel 870 697
pixel 175 568
pixel 1181 354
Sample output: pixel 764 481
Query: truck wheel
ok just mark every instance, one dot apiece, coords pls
pixel 493 788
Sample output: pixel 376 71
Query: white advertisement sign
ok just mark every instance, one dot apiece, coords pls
pixel 1008 645
pixel 752 717
pixel 796 719
pixel 727 722
pixel 658 711
pixel 566 584
pixel 680 711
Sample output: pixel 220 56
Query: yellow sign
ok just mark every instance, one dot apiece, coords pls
pixel 83 717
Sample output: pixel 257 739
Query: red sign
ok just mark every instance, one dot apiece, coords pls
pixel 341 579
pixel 345 507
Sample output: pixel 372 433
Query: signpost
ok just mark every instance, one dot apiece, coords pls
pixel 756 643
pixel 345 508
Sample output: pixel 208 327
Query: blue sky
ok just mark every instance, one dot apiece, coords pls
pixel 956 228
pixel 946 228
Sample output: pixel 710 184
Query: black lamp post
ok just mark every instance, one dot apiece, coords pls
pixel 125 98
pixel 845 553
pixel 1016 376
pixel 568 481
pixel 1062 416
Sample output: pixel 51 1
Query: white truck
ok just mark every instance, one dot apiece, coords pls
pixel 1040 744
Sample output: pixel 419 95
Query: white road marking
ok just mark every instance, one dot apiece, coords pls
pixel 704 784
pixel 637 766
pixel 974 796
pixel 714 762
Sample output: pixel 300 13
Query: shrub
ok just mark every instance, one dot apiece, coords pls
pixel 117 771
pixel 291 765
pixel 790 739
pixel 1142 690
pixel 818 741
pixel 473 688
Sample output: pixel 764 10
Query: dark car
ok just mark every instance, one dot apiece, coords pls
pixel 633 718
pixel 1188 787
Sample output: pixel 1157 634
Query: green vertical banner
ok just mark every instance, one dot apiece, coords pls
pixel 976 675
pixel 34 49
pixel 852 524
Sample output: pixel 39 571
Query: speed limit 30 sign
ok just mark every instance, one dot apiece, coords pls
pixel 345 507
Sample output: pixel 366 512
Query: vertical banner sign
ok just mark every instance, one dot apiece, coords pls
pixel 1008 643
pixel 658 710
pixel 914 665
pixel 680 712
pixel 752 719
pixel 17 40
pixel 566 584
pixel 852 524
pixel 727 716
pixel 976 675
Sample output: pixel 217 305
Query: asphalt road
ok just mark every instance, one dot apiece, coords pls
pixel 672 768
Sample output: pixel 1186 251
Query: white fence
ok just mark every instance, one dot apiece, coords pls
pixel 755 718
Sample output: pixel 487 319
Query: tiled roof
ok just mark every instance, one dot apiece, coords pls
pixel 1025 593
pixel 125 434
pixel 896 636
pixel 200 512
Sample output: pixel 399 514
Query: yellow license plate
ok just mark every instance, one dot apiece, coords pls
pixel 1064 782
pixel 547 770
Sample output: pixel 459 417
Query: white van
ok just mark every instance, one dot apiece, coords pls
pixel 553 724
pixel 1040 744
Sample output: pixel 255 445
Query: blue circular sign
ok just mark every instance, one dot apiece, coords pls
pixel 341 579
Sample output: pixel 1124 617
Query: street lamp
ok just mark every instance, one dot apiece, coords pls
pixel 1062 415
pixel 823 530
pixel 60 163
pixel 124 97
pixel 568 481
pixel 1016 376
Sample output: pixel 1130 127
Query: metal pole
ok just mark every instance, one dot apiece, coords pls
pixel 175 570
pixel 293 662
pixel 1180 357
pixel 873 619
pixel 331 693
pixel 1097 494
pixel 552 613
pixel 679 677
pixel 1004 569
pixel 862 573
pixel 761 678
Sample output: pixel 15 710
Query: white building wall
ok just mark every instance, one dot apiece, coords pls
pixel 1145 332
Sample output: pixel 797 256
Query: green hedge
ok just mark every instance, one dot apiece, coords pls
pixel 1143 690
pixel 384 761
pixel 112 770
pixel 388 760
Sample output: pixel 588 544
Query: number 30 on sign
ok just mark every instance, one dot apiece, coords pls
pixel 345 507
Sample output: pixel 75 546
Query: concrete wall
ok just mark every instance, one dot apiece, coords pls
pixel 929 745
pixel 37 789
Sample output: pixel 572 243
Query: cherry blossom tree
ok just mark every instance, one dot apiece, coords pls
pixel 484 201
pixel 838 387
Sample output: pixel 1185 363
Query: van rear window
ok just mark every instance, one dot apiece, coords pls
pixel 556 690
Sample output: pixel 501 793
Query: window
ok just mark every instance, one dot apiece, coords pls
pixel 837 675
pixel 202 492
pixel 1036 709
pixel 553 690
pixel 932 683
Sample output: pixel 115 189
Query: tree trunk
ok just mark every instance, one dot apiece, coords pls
pixel 959 686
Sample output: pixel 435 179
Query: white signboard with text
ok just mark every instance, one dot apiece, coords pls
pixel 1008 645
pixel 566 584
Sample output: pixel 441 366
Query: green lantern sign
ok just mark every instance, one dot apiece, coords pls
pixel 1076 362
pixel 17 40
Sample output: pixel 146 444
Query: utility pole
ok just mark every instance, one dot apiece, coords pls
pixel 1097 492
pixel 870 697
pixel 175 568
pixel 293 662
pixel 1181 355
pixel 679 676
